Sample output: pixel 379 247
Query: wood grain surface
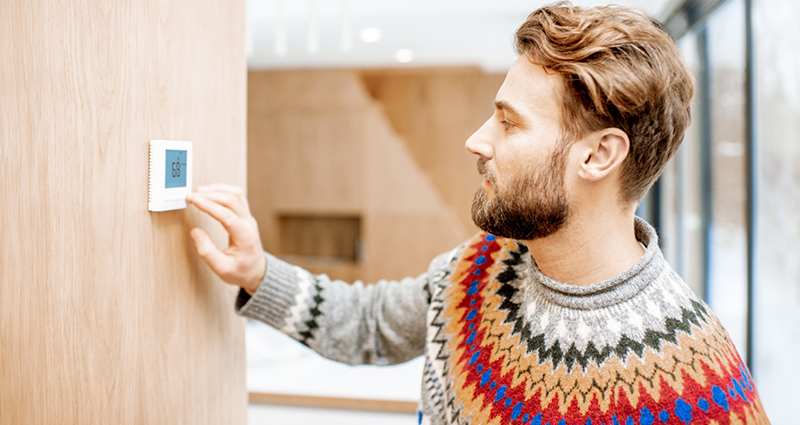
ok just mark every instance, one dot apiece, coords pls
pixel 107 315
pixel 384 145
pixel 434 111
pixel 360 404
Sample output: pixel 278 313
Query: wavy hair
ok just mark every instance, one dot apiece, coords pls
pixel 620 69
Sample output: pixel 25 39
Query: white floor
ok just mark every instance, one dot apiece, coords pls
pixel 278 364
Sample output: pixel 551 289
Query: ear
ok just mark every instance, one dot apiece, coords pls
pixel 602 153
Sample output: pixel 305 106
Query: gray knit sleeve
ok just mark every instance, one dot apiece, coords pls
pixel 381 323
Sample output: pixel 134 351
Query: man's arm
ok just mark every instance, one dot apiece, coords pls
pixel 383 323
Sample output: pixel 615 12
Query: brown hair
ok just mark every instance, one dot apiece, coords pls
pixel 620 69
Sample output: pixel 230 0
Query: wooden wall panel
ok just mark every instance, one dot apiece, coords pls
pixel 320 142
pixel 434 111
pixel 107 315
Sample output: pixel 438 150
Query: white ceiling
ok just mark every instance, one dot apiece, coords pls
pixel 298 34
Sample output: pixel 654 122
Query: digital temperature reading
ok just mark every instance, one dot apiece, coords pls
pixel 176 160
pixel 170 174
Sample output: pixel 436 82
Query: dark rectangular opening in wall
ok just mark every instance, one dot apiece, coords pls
pixel 321 237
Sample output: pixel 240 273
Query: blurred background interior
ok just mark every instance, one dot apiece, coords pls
pixel 358 111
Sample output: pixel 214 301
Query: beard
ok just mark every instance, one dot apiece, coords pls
pixel 532 206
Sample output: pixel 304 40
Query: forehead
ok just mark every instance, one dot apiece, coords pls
pixel 531 91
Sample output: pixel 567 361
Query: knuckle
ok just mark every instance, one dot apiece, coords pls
pixel 203 250
pixel 227 199
pixel 228 218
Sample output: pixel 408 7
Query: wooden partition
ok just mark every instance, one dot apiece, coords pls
pixel 383 147
pixel 107 315
pixel 434 111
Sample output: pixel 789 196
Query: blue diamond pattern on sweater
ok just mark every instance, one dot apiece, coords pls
pixel 501 392
pixel 683 411
pixel 647 417
pixel 517 411
pixel 738 389
pixel 719 397
pixel 486 377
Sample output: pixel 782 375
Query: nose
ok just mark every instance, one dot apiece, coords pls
pixel 478 144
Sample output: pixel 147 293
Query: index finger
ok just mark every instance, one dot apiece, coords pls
pixel 232 222
pixel 226 199
pixel 221 187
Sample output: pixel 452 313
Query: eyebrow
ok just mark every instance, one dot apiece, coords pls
pixel 505 106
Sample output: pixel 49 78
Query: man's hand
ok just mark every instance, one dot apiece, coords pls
pixel 242 263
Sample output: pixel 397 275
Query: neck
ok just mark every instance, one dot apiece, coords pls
pixel 591 248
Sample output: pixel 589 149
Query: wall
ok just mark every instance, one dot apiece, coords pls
pixel 434 111
pixel 106 313
pixel 342 142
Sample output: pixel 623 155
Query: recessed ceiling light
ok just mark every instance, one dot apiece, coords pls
pixel 404 55
pixel 371 35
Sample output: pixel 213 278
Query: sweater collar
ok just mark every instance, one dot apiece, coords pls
pixel 609 292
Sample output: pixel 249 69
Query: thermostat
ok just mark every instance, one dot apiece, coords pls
pixel 170 174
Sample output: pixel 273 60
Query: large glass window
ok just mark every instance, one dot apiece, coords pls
pixel 703 192
pixel 776 332
pixel 730 199
pixel 727 227
pixel 684 189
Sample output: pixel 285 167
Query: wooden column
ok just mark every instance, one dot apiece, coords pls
pixel 106 313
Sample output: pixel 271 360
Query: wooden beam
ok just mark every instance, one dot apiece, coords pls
pixel 386 406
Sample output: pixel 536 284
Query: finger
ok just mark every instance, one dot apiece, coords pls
pixel 209 252
pixel 228 200
pixel 235 225
pixel 234 190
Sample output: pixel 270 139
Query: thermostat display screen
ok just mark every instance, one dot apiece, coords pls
pixel 175 171
pixel 170 174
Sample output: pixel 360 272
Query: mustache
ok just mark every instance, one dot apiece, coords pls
pixel 484 171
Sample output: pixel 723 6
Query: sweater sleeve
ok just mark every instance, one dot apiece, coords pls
pixel 382 323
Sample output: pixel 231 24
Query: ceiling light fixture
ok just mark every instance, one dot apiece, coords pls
pixel 371 35
pixel 404 55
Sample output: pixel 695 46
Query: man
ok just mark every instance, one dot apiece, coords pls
pixel 564 311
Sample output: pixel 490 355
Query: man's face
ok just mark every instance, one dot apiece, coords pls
pixel 522 158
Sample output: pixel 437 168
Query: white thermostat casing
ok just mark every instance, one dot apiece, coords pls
pixel 170 174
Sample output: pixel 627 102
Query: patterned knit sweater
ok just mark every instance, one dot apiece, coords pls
pixel 505 344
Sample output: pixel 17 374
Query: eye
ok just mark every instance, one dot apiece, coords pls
pixel 507 124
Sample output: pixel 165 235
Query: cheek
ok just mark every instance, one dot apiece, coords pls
pixel 571 172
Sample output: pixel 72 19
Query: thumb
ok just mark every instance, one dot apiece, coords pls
pixel 201 241
pixel 219 262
